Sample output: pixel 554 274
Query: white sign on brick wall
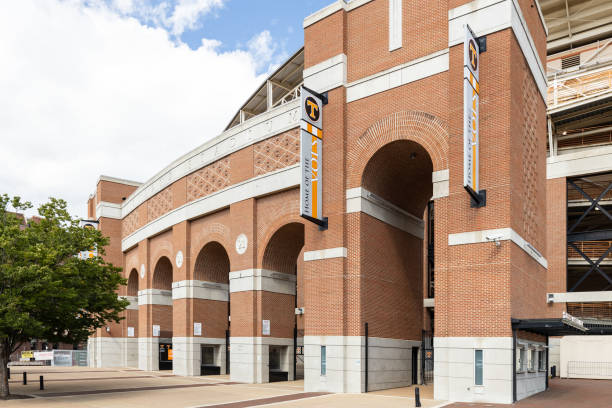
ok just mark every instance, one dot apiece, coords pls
pixel 265 327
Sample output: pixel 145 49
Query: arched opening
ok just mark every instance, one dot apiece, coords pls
pixel 132 285
pixel 282 263
pixel 393 235
pixel 161 298
pixel 212 308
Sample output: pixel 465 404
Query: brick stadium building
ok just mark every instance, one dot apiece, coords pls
pixel 215 250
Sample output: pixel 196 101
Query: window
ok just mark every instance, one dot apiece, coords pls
pixel 532 360
pixel 542 360
pixel 521 360
pixel 478 367
pixel 323 360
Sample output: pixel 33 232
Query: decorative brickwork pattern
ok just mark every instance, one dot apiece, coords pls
pixel 530 149
pixel 160 204
pixel 208 180
pixel 278 152
pixel 130 223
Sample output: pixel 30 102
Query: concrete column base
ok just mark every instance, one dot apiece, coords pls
pixel 112 352
pixel 148 353
pixel 187 354
pixel 249 358
pixel 390 363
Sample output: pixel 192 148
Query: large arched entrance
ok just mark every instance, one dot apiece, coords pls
pixel 396 187
pixel 282 262
pixel 161 305
pixel 211 309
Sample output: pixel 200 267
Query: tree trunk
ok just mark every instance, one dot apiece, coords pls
pixel 4 359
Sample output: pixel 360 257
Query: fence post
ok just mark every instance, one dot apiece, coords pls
pixel 42 384
pixel 417 397
pixel 25 378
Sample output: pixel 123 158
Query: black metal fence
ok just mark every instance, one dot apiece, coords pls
pixel 427 357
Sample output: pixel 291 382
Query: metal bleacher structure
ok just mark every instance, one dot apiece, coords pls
pixel 579 71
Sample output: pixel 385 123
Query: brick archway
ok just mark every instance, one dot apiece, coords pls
pixel 162 274
pixel 423 128
pixel 212 263
pixel 132 285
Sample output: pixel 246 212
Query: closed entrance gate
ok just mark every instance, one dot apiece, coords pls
pixel 165 356
pixel 427 357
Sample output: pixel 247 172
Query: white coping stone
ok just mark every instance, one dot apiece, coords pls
pixel 154 297
pixel 454 369
pixel 429 302
pixel 399 75
pixel 584 161
pixel 567 297
pixel 501 234
pixel 249 357
pixel 440 180
pixel 489 16
pixel 255 187
pixel 196 289
pixel 332 8
pixel 133 302
pixel 326 75
pixel 340 252
pixel 262 279
pixel 258 128
pixel 119 181
pixel 187 354
pixel 359 199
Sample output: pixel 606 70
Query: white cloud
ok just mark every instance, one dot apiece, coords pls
pixel 89 91
pixel 266 51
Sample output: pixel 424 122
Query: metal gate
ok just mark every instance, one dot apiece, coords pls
pixel 427 357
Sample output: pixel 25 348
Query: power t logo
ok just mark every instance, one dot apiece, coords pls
pixel 473 56
pixel 312 108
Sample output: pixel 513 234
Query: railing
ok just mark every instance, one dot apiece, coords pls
pixel 294 94
pixel 589 369
pixel 571 89
pixel 592 249
pixel 597 310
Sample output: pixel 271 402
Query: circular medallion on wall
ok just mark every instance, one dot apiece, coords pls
pixel 142 271
pixel 179 259
pixel 241 244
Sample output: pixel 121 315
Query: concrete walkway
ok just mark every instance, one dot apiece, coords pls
pixel 127 388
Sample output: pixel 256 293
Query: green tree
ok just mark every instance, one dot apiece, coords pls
pixel 46 292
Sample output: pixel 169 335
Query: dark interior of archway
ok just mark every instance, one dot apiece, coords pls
pixel 400 172
pixel 283 249
pixel 212 264
pixel 162 276
pixel 132 286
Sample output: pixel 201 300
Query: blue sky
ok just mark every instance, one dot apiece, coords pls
pixel 130 81
pixel 239 20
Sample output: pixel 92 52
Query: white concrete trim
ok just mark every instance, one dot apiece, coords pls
pixel 133 302
pixel 196 289
pixel 395 24
pixel 440 181
pixel 568 297
pixel 359 199
pixel 584 161
pixel 256 129
pixel 326 75
pixel 489 16
pixel 119 181
pixel 429 302
pixel 154 297
pixel 331 9
pixel 501 234
pixel 399 75
pixel 108 210
pixel 340 252
pixel 262 279
pixel 255 187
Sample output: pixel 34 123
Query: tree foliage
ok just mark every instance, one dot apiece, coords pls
pixel 46 291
